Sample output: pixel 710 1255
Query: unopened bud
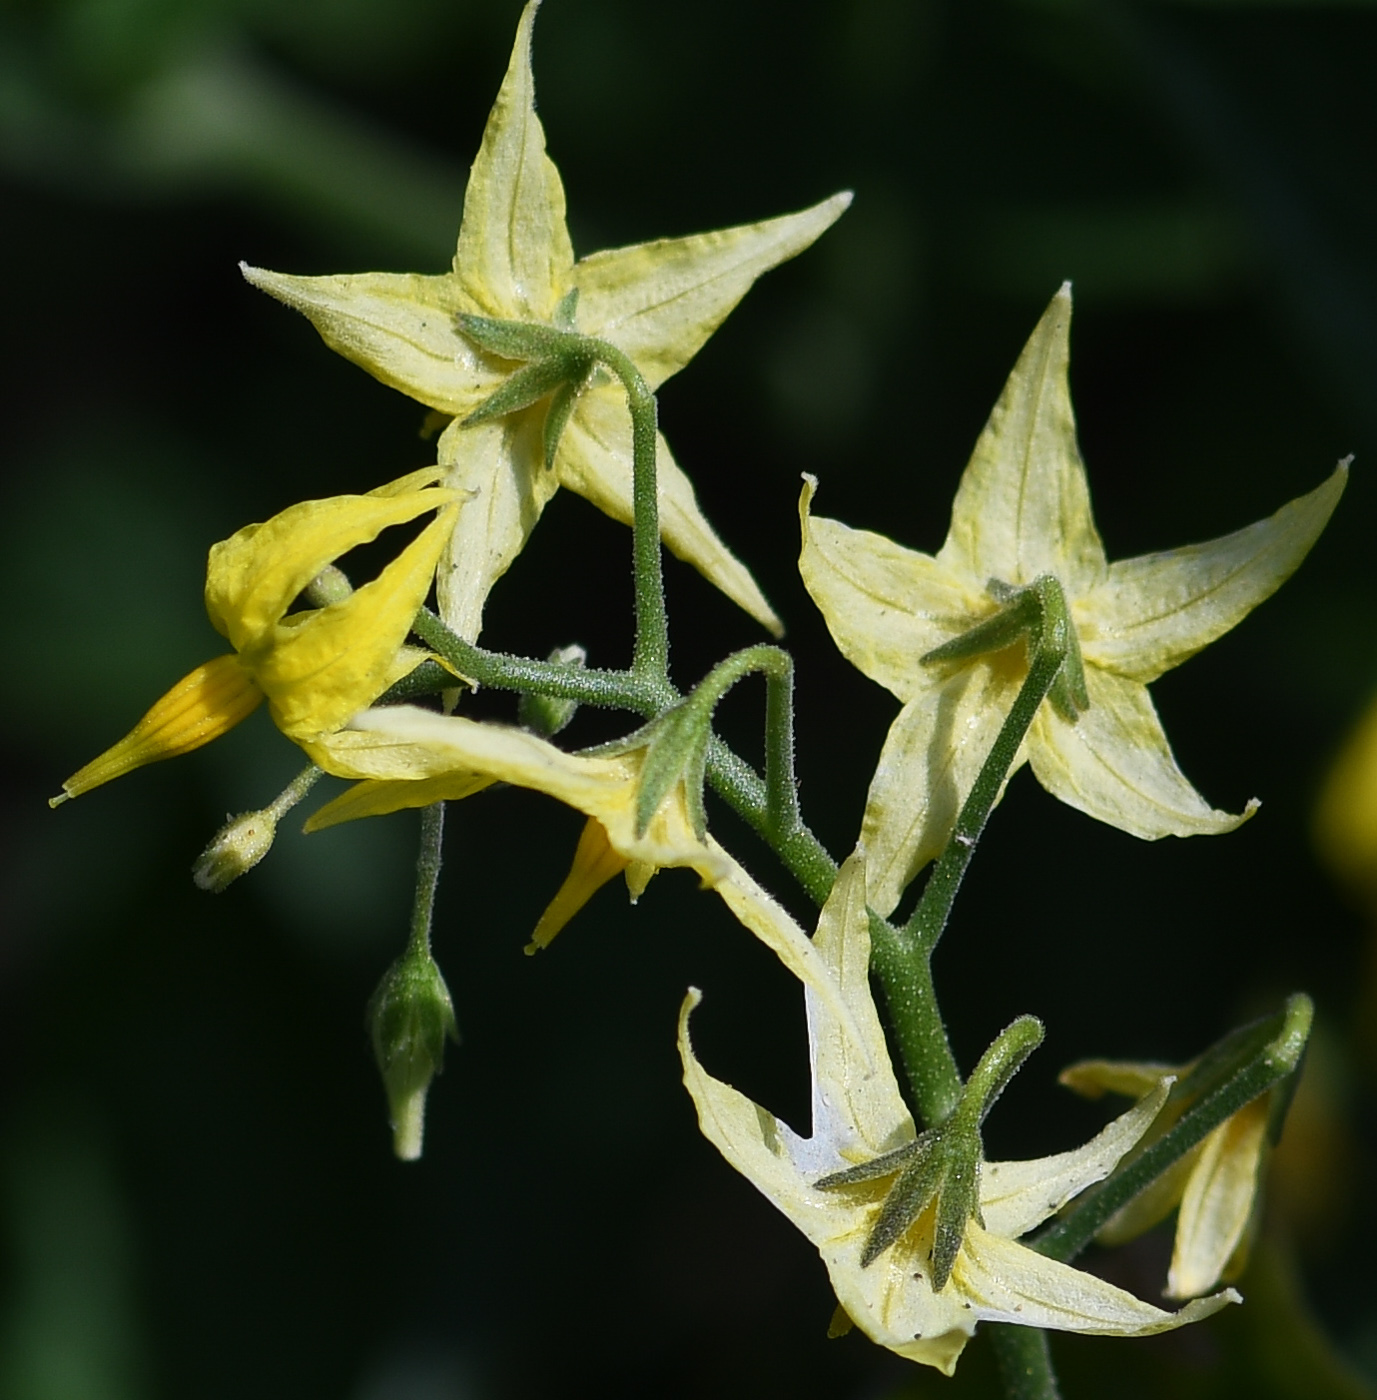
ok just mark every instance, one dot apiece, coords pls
pixel 546 715
pixel 410 1017
pixel 234 850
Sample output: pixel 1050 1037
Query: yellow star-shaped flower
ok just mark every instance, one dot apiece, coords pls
pixel 410 757
pixel 1217 1184
pixel 658 302
pixel 859 1115
pixel 1023 511
pixel 316 666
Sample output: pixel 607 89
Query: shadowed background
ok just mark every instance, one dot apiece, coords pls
pixel 197 1196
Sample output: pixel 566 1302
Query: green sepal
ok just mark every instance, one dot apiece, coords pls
pixel 546 715
pixel 566 312
pixel 1037 614
pixel 520 340
pixel 523 389
pixel 677 749
pixel 557 416
pixel 1235 1070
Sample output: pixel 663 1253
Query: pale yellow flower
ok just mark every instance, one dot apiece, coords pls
pixel 411 757
pixel 316 666
pixel 658 302
pixel 1022 511
pixel 1216 1185
pixel 859 1115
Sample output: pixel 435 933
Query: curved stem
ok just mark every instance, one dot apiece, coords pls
pixel 1025 1364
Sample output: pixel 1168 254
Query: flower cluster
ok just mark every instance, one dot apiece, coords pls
pixel 1018 641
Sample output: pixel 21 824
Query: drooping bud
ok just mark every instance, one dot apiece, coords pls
pixel 235 849
pixel 410 1017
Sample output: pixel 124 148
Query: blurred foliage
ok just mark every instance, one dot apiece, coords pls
pixel 196 1190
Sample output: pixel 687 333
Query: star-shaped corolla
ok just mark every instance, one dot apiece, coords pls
pixel 1216 1185
pixel 1022 511
pixel 410 757
pixel 316 666
pixel 658 302
pixel 858 1115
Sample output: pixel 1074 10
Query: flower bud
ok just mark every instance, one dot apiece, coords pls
pixel 410 1017
pixel 546 715
pixel 235 849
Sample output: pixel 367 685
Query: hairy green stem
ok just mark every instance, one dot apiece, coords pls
pixel 428 860
pixel 901 959
pixel 1025 1364
pixel 650 658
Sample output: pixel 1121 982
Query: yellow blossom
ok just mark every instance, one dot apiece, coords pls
pixel 1216 1185
pixel 858 1116
pixel 315 667
pixel 411 757
pixel 1022 511
pixel 658 302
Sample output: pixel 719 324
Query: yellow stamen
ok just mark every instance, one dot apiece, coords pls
pixel 200 707
pixel 595 863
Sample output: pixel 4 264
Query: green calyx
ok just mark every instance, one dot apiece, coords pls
pixel 1038 615
pixel 939 1171
pixel 557 362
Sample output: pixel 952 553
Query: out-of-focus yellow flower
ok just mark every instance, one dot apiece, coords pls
pixel 1216 1185
pixel 858 1116
pixel 658 302
pixel 315 667
pixel 412 757
pixel 1022 511
pixel 1346 816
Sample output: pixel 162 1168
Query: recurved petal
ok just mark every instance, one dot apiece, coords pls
pixel 501 465
pixel 857 1106
pixel 318 668
pixel 1007 1282
pixel 253 577
pixel 885 606
pixel 757 1144
pixel 1115 765
pixel 594 460
pixel 514 257
pixel 1023 506
pixel 931 756
pixel 399 326
pixel 1219 1200
pixel 1154 612
pixel 1015 1196
pixel 660 301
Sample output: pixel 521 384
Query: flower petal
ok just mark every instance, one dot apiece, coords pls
pixel 1154 612
pixel 1009 1282
pixel 399 326
pixel 1015 1196
pixel 377 797
pixel 200 707
pixel 319 668
pixel 885 606
pixel 594 460
pixel 934 749
pixel 595 863
pixel 660 301
pixel 1219 1200
pixel 1023 506
pixel 514 257
pixel 858 1111
pixel 1115 765
pixel 502 466
pixel 254 576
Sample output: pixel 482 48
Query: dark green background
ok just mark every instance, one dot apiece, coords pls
pixel 196 1193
